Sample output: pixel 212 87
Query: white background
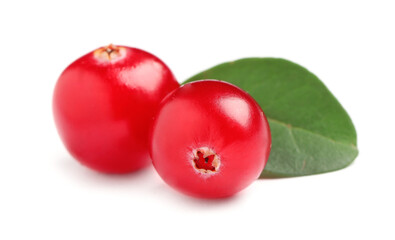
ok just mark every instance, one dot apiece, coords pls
pixel 45 194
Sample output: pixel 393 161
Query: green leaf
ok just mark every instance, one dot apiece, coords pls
pixel 311 132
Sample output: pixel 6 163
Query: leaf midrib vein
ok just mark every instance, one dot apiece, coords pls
pixel 290 127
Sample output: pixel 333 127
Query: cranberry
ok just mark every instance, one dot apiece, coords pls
pixel 104 102
pixel 210 139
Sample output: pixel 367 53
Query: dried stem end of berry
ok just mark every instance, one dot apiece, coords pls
pixel 110 53
pixel 205 160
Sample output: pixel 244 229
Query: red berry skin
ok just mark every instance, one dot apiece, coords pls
pixel 209 139
pixel 103 105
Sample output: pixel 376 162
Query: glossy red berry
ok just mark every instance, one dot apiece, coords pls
pixel 210 139
pixel 103 105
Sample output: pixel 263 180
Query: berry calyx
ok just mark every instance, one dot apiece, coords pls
pixel 109 53
pixel 206 161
